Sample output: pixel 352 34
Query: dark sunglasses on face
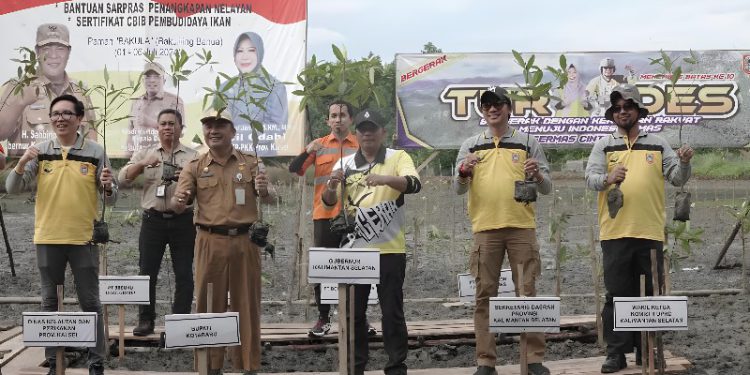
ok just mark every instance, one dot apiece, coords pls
pixel 497 105
pixel 628 106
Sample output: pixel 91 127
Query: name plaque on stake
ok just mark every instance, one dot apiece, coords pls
pixel 329 294
pixel 525 314
pixel 666 313
pixel 59 328
pixel 202 330
pixel 123 290
pixel 344 266
pixel 467 288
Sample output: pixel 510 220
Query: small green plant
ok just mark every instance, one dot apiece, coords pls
pixel 683 239
pixel 26 72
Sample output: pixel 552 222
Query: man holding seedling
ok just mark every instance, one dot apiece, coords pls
pixel 634 165
pixel 488 167
pixel 325 153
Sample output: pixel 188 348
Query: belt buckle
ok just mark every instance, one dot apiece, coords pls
pixel 232 232
pixel 167 215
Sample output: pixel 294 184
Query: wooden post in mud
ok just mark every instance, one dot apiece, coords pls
pixel 644 342
pixel 656 292
pixel 304 256
pixel 597 288
pixel 60 352
pixel 524 341
pixel 346 329
pixel 105 308
pixel 202 353
pixel 121 319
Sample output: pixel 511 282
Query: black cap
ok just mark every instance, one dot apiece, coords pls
pixel 367 117
pixel 494 94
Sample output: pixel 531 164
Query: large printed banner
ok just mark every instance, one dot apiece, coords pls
pixel 438 97
pixel 75 40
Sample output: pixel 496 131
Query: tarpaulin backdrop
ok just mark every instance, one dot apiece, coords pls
pixel 116 34
pixel 437 97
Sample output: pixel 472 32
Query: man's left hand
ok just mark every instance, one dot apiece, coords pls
pixel 261 183
pixel 106 179
pixel 685 153
pixel 531 168
pixel 376 180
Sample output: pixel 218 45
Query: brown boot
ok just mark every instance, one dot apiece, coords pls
pixel 144 328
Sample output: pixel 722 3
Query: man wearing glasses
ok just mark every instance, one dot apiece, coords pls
pixel 637 163
pixel 377 180
pixel 143 128
pixel 487 167
pixel 24 119
pixel 161 166
pixel 71 174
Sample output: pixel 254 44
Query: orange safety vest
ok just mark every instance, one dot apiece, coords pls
pixel 324 161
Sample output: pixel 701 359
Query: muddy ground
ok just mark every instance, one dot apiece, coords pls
pixel 717 342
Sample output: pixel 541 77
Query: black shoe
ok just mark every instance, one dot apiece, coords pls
pixel 613 363
pixel 485 370
pixel 96 369
pixel 145 328
pixel 537 369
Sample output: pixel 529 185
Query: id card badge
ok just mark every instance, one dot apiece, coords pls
pixel 160 190
pixel 239 196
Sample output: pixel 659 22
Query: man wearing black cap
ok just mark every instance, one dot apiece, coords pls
pixel 24 117
pixel 637 163
pixel 143 125
pixel 376 180
pixel 487 167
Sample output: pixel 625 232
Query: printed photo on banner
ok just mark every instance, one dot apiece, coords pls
pixel 438 96
pixel 80 47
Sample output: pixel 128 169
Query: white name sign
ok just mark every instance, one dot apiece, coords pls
pixel 344 266
pixel 202 330
pixel 59 329
pixel 651 313
pixel 123 290
pixel 467 288
pixel 329 294
pixel 525 314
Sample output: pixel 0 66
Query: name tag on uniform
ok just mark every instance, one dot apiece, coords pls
pixel 239 196
pixel 160 190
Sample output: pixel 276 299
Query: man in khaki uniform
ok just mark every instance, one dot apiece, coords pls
pixel 161 226
pixel 142 128
pixel 225 184
pixel 24 119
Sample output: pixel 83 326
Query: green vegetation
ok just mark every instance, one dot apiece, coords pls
pixel 721 164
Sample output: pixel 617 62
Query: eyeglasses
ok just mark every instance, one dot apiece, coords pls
pixel 497 105
pixel 65 115
pixel 627 107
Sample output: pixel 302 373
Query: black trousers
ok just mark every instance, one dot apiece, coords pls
pixel 323 237
pixel 391 295
pixel 625 260
pixel 156 233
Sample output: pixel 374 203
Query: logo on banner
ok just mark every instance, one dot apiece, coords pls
pixel 746 64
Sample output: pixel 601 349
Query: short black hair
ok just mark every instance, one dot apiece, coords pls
pixel 344 103
pixel 171 111
pixel 77 104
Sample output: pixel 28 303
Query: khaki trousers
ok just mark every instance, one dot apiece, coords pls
pixel 485 264
pixel 232 264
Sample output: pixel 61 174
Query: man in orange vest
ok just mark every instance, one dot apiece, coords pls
pixel 324 153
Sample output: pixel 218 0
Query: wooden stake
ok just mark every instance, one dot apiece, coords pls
pixel 524 342
pixel 427 161
pixel 121 318
pixel 656 290
pixel 105 308
pixel 202 353
pixel 351 331
pixel 60 352
pixel 597 288
pixel 644 345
